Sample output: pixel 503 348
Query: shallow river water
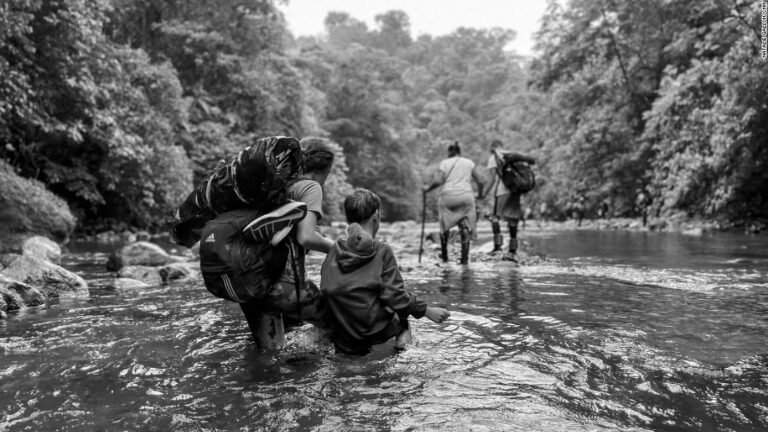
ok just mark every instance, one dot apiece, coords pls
pixel 617 331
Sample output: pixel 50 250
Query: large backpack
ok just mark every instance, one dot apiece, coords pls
pixel 257 177
pixel 241 265
pixel 516 175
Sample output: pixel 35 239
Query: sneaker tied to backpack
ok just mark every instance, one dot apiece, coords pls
pixel 275 225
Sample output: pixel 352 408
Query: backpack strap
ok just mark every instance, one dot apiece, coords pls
pixel 297 275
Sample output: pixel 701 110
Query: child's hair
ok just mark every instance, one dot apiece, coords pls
pixel 496 144
pixel 361 205
pixel 318 155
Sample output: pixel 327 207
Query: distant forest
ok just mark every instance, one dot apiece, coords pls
pixel 119 106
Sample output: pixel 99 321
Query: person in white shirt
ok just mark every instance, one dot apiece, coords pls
pixel 457 200
pixel 506 204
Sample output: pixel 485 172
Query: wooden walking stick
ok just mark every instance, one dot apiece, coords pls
pixel 423 220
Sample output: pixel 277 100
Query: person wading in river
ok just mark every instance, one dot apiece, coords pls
pixel 456 204
pixel 506 204
pixel 282 298
pixel 361 279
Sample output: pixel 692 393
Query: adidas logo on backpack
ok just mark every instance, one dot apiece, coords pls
pixel 210 239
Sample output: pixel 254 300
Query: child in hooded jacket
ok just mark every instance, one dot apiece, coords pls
pixel 363 285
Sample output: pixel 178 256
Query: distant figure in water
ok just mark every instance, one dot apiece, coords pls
pixel 456 205
pixel 505 203
pixel 527 213
pixel 642 204
pixel 603 209
pixel 543 211
pixel 579 207
pixel 366 297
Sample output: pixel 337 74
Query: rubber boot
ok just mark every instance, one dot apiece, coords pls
pixel 444 246
pixel 511 254
pixel 498 239
pixel 465 239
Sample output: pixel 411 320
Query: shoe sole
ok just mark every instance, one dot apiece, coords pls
pixel 265 227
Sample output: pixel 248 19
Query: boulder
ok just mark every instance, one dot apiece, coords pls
pixel 696 231
pixel 146 274
pixel 28 208
pixel 128 237
pixel 126 283
pixel 17 295
pixel 52 279
pixel 43 248
pixel 141 254
pixel 106 237
pixel 7 259
pixel 175 271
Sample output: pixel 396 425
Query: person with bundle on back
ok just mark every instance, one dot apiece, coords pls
pixel 255 216
pixel 293 295
pixel 512 177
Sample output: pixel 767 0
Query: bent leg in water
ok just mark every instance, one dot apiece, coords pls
pixel 310 307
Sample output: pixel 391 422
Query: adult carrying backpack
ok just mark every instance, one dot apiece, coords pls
pixel 517 175
pixel 243 252
pixel 257 178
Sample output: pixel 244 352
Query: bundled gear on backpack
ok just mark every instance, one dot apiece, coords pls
pixel 243 252
pixel 255 178
pixel 516 174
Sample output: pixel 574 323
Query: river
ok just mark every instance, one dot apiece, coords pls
pixel 629 331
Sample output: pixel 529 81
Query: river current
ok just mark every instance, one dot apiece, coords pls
pixel 629 331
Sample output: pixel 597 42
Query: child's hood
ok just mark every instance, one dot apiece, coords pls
pixel 355 250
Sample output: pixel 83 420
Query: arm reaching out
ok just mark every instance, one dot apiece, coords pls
pixel 308 237
pixel 437 314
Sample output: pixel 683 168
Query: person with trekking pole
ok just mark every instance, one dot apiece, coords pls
pixel 456 204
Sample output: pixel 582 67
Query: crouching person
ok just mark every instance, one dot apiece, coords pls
pixel 258 259
pixel 295 297
pixel 366 299
pixel 242 256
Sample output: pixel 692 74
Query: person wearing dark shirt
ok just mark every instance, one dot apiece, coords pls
pixel 364 289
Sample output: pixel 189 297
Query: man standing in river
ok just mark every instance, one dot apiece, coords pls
pixel 506 203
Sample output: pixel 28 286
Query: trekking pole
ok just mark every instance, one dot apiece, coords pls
pixel 423 221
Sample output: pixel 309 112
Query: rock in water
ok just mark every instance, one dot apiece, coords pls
pixel 176 271
pixel 146 274
pixel 16 295
pixel 696 232
pixel 143 254
pixel 43 248
pixel 52 279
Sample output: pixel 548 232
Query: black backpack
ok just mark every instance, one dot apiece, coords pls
pixel 257 177
pixel 516 175
pixel 235 266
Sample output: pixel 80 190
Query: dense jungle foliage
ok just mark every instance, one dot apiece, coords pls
pixel 118 106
